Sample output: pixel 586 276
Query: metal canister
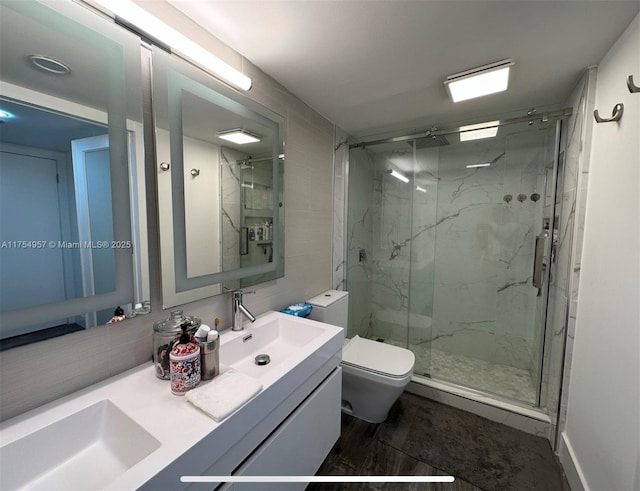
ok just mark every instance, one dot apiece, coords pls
pixel 166 334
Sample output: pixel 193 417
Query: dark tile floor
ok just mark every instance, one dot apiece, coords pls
pixel 423 437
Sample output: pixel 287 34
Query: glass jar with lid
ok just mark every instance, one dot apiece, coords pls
pixel 166 334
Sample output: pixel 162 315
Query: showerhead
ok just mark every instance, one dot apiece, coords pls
pixel 432 141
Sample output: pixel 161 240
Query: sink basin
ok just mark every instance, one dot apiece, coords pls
pixel 282 337
pixel 86 450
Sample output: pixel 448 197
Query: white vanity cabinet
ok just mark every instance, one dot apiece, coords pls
pixel 300 444
pixel 268 436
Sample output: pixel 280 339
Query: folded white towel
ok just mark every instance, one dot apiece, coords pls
pixel 224 394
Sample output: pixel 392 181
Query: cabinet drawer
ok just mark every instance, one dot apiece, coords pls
pixel 301 443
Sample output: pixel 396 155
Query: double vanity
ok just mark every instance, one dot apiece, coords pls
pixel 220 214
pixel 130 432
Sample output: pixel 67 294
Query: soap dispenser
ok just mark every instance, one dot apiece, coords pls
pixel 184 363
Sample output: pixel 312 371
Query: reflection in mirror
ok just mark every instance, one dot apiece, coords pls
pixel 248 200
pixel 72 240
pixel 219 184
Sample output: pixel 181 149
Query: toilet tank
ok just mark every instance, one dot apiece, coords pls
pixel 331 307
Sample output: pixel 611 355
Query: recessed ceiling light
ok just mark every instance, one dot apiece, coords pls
pixel 399 176
pixel 484 80
pixel 479 131
pixel 472 166
pixel 238 136
pixel 49 64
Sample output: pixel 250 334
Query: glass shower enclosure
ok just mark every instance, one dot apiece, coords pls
pixel 449 243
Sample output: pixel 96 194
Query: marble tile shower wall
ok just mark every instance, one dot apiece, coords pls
pixel 563 293
pixel 231 202
pixel 476 298
pixel 390 249
pixel 340 194
pixel 359 260
pixel 484 304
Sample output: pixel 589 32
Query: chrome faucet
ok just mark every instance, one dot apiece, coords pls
pixel 240 311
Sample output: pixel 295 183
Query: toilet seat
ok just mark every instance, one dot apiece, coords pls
pixel 378 358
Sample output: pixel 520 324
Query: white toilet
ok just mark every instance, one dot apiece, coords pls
pixel 374 374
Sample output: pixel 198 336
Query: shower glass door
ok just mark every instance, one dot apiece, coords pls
pixel 441 252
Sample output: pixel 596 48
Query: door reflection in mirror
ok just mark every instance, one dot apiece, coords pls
pixel 56 217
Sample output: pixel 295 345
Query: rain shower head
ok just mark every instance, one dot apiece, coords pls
pixel 432 141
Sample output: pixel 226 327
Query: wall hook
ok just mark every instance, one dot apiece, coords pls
pixel 615 115
pixel 164 165
pixel 632 86
pixel 195 172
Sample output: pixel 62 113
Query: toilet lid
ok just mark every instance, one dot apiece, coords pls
pixel 378 357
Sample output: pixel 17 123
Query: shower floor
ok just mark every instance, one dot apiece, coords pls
pixel 501 380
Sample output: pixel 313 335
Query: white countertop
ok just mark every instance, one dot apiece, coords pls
pixel 144 398
pixel 171 419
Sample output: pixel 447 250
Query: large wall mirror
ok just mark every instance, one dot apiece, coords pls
pixel 220 170
pixel 73 245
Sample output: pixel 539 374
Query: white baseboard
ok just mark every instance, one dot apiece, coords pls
pixel 570 465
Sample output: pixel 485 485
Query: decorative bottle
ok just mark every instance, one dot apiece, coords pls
pixel 184 364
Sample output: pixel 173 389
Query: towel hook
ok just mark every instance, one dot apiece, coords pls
pixel 618 109
pixel 632 86
pixel 195 172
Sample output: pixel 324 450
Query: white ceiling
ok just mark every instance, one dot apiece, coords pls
pixel 374 67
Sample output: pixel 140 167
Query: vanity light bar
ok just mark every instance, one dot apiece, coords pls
pixel 178 43
pixel 473 166
pixel 399 176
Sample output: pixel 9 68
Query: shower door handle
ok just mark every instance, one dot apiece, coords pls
pixel 539 261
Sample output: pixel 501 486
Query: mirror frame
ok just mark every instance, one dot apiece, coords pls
pixel 126 142
pixel 172 75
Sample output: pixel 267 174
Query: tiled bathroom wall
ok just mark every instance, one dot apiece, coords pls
pixel 340 197
pixel 358 241
pixel 484 302
pixel 565 272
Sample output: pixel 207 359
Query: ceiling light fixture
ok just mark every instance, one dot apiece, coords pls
pixel 399 176
pixel 422 190
pixel 484 80
pixel 6 114
pixel 238 136
pixel 479 131
pixel 49 64
pixel 473 166
pixel 178 43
